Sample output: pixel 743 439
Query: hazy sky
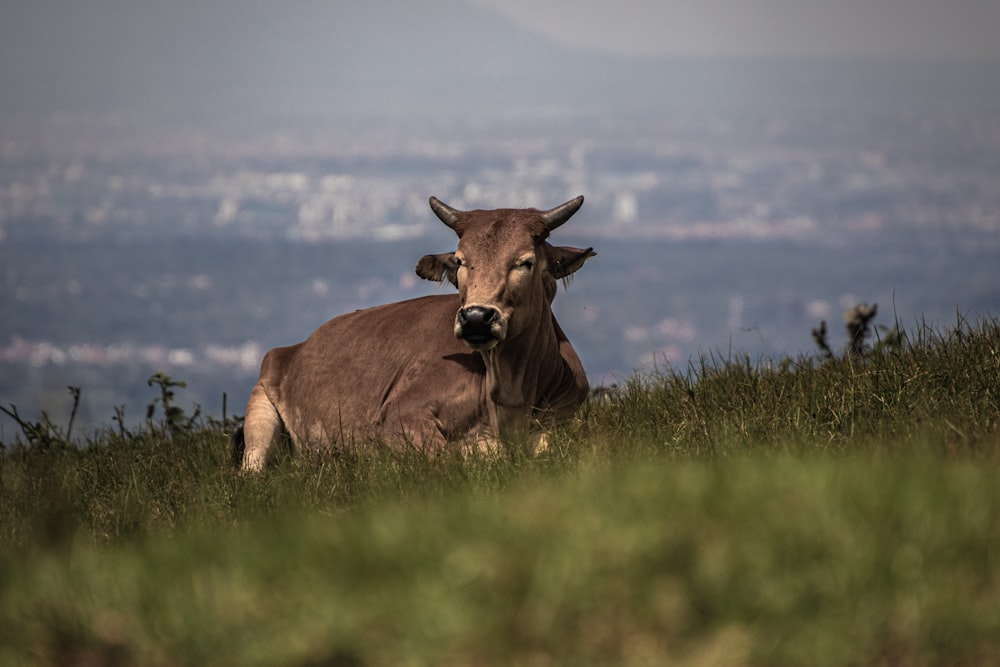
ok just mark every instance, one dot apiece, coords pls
pixel 201 56
pixel 810 28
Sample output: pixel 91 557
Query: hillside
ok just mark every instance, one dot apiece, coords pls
pixel 813 512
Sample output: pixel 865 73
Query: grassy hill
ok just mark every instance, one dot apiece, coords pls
pixel 801 512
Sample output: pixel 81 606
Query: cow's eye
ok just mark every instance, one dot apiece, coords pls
pixel 459 262
pixel 527 264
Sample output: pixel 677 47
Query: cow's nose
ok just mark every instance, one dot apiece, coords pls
pixel 477 321
pixel 477 316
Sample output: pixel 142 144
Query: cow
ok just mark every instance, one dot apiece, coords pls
pixel 467 371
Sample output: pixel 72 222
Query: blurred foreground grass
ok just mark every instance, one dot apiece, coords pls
pixel 844 512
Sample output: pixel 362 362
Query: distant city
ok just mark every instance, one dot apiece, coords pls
pixel 818 177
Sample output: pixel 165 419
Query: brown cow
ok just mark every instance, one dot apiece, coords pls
pixel 471 369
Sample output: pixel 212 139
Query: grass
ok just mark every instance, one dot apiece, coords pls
pixel 806 512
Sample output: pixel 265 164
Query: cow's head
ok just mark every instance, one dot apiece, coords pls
pixel 504 268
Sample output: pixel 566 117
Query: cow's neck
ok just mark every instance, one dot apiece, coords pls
pixel 516 372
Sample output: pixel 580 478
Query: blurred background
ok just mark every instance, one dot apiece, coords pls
pixel 186 184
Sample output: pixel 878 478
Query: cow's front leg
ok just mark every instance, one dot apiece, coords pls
pixel 482 445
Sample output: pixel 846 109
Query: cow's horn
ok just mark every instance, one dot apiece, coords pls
pixel 560 214
pixel 447 214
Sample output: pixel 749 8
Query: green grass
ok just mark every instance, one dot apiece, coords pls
pixel 844 512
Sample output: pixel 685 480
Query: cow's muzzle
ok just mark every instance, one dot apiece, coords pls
pixel 479 326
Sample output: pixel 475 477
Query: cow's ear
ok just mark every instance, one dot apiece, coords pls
pixel 439 267
pixel 564 261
